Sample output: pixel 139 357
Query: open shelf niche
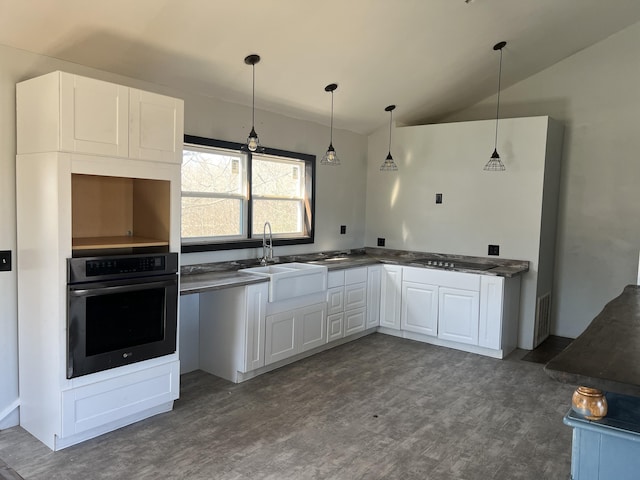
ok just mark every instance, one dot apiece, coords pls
pixel 118 213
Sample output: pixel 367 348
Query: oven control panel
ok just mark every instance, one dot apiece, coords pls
pixel 91 269
pixel 115 266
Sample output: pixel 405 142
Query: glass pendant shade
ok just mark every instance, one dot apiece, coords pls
pixel 495 164
pixel 253 141
pixel 330 157
pixel 389 165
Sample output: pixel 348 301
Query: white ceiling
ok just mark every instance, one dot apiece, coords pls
pixel 429 57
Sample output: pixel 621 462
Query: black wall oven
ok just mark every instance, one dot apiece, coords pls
pixel 121 310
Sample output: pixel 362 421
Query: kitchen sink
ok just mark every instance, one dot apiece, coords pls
pixel 290 280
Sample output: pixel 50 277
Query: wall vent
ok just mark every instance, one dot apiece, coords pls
pixel 543 319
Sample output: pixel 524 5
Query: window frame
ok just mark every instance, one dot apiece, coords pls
pixel 255 242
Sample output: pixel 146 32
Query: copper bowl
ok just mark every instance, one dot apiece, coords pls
pixel 589 402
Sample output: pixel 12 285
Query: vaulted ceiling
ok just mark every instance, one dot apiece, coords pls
pixel 429 57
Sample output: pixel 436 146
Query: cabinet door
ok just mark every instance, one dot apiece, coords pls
pixel 373 296
pixel 157 127
pixel 391 286
pixel 419 308
pixel 313 326
pixel 458 312
pixel 255 325
pixel 355 296
pixel 94 116
pixel 354 321
pixel 280 337
pixel 335 326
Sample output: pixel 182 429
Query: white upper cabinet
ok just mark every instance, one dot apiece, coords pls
pixel 93 116
pixel 70 113
pixel 155 127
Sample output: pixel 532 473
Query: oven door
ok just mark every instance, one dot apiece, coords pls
pixel 115 323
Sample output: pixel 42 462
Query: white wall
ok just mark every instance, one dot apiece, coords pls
pixel 340 192
pixel 479 208
pixel 596 95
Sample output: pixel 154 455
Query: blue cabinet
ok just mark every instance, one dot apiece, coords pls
pixel 609 448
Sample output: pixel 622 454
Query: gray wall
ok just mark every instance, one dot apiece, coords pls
pixel 596 94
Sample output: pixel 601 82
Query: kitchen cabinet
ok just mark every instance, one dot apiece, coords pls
pixel 232 330
pixel 347 302
pixel 294 331
pixel 70 113
pixel 419 308
pixel 499 310
pixel 53 168
pixel 468 311
pixel 390 296
pixel 374 279
pixel 458 312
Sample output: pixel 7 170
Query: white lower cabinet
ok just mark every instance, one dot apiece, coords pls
pixel 374 279
pixel 295 331
pixel 390 296
pixel 232 330
pixel 419 308
pixel 347 302
pixel 458 315
pixel 118 400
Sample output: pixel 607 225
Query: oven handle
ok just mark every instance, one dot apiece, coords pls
pixel 102 290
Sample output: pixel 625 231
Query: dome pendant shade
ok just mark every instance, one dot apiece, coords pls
pixel 330 157
pixel 495 164
pixel 253 141
pixel 389 165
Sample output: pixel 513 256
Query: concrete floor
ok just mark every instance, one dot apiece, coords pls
pixel 379 407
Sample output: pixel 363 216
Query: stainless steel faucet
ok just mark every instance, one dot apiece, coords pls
pixel 266 246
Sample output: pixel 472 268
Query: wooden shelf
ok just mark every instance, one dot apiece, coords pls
pixel 95 243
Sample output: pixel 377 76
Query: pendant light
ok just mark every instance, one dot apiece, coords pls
pixel 253 142
pixel 389 165
pixel 330 157
pixel 495 164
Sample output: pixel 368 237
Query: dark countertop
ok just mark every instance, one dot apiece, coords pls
pixel 213 276
pixel 607 354
pixel 207 281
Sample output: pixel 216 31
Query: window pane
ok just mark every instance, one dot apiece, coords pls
pixel 277 178
pixel 216 172
pixel 210 217
pixel 285 216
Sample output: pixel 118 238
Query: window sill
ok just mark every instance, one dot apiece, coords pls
pixel 241 244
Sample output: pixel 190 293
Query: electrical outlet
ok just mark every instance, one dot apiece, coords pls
pixel 5 261
pixel 494 249
pixel 343 229
pixel 438 198
pixel 380 242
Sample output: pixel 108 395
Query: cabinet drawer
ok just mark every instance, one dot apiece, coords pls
pixel 442 278
pixel 355 275
pixel 355 296
pixel 335 278
pixel 98 404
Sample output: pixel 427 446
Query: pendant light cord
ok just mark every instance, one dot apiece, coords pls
pixel 495 145
pixel 390 122
pixel 331 130
pixel 253 98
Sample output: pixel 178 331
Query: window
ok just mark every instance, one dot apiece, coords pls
pixel 229 193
